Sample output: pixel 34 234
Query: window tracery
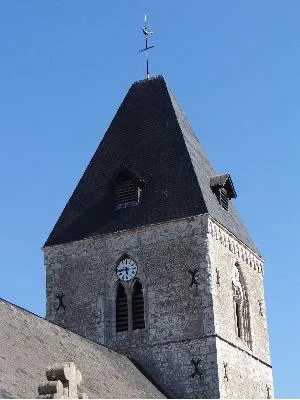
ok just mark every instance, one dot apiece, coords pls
pixel 241 307
pixel 130 309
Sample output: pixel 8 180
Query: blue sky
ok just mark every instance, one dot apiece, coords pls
pixel 232 65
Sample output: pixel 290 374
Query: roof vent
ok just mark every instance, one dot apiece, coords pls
pixel 127 189
pixel 127 194
pixel 223 198
pixel 223 188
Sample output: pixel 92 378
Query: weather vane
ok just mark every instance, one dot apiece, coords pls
pixel 147 32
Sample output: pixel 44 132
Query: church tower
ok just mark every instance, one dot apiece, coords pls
pixel 150 258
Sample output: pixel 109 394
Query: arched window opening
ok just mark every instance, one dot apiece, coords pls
pixel 121 310
pixel 241 307
pixel 138 320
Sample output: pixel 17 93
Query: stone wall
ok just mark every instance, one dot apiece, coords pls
pixel 183 369
pixel 241 374
pixel 176 311
pixel 249 365
pixel 185 267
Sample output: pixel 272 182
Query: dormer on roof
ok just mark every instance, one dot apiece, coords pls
pixel 223 188
pixel 223 181
pixel 127 188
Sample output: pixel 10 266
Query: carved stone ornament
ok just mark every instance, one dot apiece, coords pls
pixel 236 277
pixel 236 247
pixel 63 383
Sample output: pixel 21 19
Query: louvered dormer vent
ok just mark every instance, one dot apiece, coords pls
pixel 223 188
pixel 127 188
pixel 127 194
pixel 223 199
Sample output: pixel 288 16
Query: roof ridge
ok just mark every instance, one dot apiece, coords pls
pixel 20 307
pixel 145 80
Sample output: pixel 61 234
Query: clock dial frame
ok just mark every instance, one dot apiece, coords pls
pixel 126 269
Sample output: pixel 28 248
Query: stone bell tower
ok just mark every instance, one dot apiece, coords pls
pixel 150 258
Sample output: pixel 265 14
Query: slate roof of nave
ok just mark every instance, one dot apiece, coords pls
pixel 29 344
pixel 152 137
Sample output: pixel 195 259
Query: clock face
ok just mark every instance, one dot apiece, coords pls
pixel 126 269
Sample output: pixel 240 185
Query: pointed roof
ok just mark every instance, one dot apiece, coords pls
pixel 152 138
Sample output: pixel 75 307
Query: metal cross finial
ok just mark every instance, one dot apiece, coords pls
pixel 147 32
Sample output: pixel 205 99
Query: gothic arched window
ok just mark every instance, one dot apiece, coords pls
pixel 240 307
pixel 121 309
pixel 130 307
pixel 138 321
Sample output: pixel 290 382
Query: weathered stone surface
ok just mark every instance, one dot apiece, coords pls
pixel 184 321
pixel 248 368
pixel 29 344
pixel 63 382
pixel 52 390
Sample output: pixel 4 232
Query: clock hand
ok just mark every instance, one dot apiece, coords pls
pixel 124 269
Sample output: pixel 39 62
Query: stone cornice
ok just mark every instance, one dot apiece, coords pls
pixel 227 239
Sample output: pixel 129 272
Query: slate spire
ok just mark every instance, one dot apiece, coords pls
pixel 151 138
